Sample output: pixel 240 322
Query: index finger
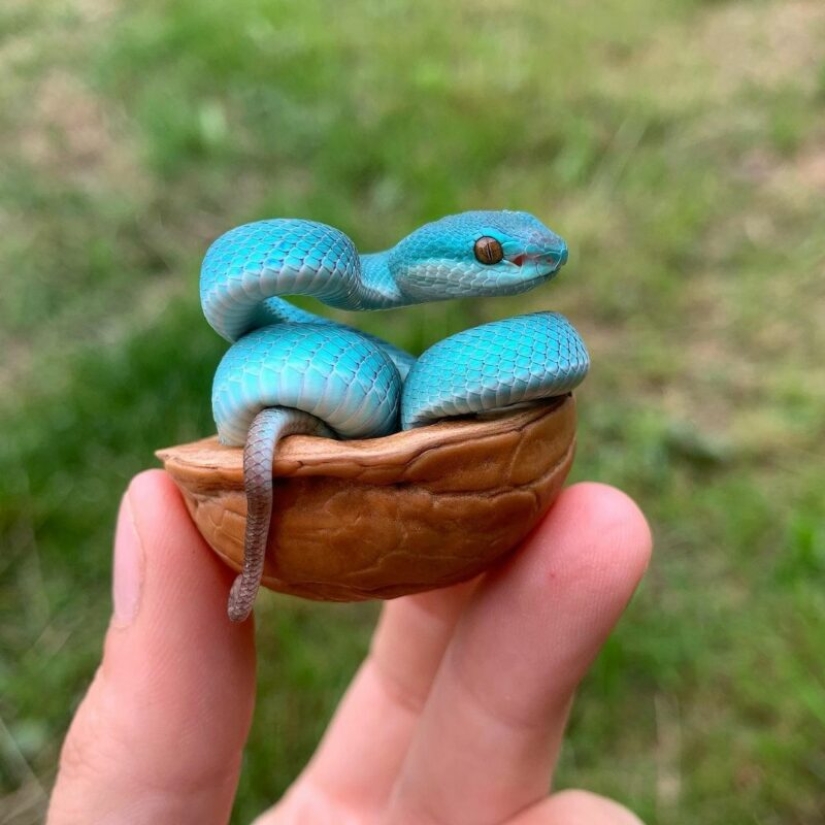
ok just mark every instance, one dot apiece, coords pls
pixel 489 735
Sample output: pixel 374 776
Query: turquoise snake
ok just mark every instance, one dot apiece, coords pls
pixel 290 371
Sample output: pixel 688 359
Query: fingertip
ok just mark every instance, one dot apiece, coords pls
pixel 187 577
pixel 180 629
pixel 559 596
pixel 577 807
pixel 150 480
pixel 608 521
pixel 153 493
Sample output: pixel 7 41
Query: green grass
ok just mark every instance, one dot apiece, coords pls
pixel 679 147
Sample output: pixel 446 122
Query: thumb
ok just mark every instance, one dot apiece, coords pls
pixel 159 736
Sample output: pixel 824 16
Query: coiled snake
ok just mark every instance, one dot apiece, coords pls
pixel 290 371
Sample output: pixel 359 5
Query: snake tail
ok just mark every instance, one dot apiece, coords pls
pixel 301 380
pixel 268 427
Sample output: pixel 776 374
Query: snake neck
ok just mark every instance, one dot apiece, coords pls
pixel 373 287
pixel 248 270
pixel 377 288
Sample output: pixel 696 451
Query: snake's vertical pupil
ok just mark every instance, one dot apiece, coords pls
pixel 488 250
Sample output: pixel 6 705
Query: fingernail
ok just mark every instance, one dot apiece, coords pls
pixel 128 567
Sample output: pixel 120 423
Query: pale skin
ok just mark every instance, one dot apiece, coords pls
pixel 456 716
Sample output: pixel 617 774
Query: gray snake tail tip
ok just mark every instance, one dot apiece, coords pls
pixel 241 600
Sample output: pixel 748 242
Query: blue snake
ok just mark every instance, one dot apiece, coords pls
pixel 291 371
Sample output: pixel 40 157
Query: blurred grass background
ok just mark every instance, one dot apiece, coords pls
pixel 679 147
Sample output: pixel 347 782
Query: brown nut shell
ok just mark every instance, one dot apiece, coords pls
pixel 385 517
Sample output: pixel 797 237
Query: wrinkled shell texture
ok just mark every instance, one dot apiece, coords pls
pixel 386 517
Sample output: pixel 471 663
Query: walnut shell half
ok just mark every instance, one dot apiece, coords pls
pixel 385 517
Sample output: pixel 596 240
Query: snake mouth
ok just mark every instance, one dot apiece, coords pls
pixel 530 270
pixel 543 263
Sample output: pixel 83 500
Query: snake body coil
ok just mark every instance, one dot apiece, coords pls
pixel 290 371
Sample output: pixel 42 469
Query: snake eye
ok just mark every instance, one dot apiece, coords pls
pixel 488 250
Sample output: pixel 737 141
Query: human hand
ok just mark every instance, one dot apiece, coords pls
pixel 456 715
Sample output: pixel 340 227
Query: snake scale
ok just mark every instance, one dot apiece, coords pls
pixel 290 371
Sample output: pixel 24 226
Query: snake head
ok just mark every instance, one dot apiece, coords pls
pixel 478 254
